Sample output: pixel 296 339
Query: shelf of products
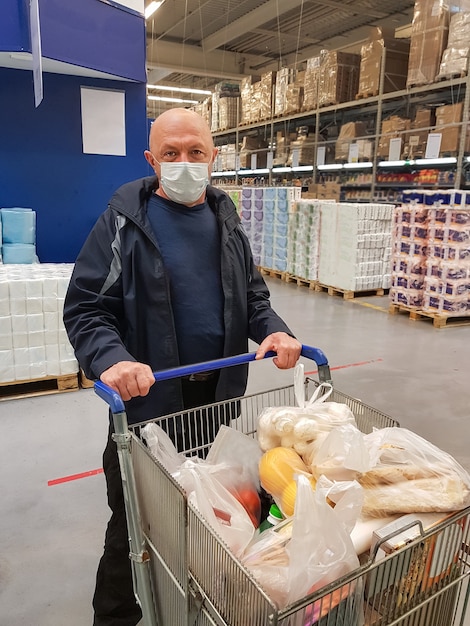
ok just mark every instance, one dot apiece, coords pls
pixel 390 115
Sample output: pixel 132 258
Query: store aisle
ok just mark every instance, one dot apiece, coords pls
pixel 53 501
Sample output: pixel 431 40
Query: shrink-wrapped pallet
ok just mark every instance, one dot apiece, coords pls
pixel 339 77
pixel 455 57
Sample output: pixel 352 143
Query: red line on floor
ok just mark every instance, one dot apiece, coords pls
pixel 342 367
pixel 66 479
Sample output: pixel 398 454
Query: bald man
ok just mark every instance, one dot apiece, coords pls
pixel 166 278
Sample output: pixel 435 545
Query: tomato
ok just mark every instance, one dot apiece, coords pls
pixel 250 500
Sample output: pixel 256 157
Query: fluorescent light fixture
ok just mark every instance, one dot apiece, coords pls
pixel 357 166
pixel 467 159
pixel 281 170
pixel 439 161
pixel 303 168
pixel 165 99
pixel 227 173
pixel 394 163
pixel 260 170
pixel 203 92
pixel 151 8
pixel 330 166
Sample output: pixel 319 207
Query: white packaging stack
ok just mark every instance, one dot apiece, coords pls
pixel 303 240
pixel 33 340
pixel 355 246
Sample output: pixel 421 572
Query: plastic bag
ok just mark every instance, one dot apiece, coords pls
pixel 318 551
pixel 410 475
pixel 218 506
pixel 162 447
pixel 340 454
pixel 298 427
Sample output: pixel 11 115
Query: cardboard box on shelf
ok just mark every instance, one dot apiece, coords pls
pixel 426 50
pixel 339 77
pixel 396 63
pixel 393 127
pixel 325 191
pixel 449 124
pixel 348 134
pixel 416 139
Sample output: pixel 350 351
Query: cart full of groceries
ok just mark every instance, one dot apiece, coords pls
pixel 309 508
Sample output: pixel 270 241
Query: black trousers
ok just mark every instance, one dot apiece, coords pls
pixel 114 601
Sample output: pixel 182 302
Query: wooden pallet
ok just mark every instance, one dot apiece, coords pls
pixel 439 320
pixel 451 76
pixel 348 294
pixel 85 383
pixel 305 282
pixel 38 386
pixel 366 94
pixel 266 271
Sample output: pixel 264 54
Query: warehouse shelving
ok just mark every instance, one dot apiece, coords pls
pixel 373 110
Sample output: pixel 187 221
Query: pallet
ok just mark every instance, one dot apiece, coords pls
pixel 85 383
pixel 439 320
pixel 348 294
pixel 38 386
pixel 366 94
pixel 266 271
pixel 451 76
pixel 301 282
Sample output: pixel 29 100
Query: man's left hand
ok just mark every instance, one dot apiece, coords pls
pixel 287 349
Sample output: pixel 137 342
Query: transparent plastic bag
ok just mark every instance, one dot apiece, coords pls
pixel 411 475
pixel 298 427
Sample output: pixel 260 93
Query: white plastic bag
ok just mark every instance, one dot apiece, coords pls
pixel 298 427
pixel 162 447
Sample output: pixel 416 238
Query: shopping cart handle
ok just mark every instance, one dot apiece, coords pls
pixel 116 403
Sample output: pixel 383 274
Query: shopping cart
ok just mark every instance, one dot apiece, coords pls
pixel 184 575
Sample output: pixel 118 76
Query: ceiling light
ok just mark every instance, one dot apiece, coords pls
pixel 438 161
pixel 179 89
pixel 164 99
pixel 152 7
pixel 357 165
pixel 330 166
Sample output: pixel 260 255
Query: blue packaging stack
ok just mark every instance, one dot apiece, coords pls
pixel 18 235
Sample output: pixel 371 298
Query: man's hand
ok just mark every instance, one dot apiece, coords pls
pixel 129 379
pixel 286 347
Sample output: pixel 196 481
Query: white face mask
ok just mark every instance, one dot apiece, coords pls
pixel 184 182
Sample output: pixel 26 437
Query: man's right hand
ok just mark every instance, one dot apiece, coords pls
pixel 129 379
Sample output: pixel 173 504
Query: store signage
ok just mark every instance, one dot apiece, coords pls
pixel 321 155
pixel 254 158
pixel 433 146
pixel 35 33
pixel 269 160
pixel 353 156
pixel 394 150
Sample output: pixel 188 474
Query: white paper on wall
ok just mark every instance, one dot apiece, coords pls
pixel 103 121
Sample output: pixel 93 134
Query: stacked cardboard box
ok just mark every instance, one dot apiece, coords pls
pixel 392 128
pixel 303 244
pixel 428 41
pixel 352 132
pixel 329 190
pixel 355 246
pixel 266 85
pixel 281 153
pixel 311 81
pixel 33 340
pixel 228 113
pixel 396 63
pixel 253 146
pixel 339 77
pixel 455 57
pixel 283 79
pixel 449 124
pixel 416 139
pixel 245 100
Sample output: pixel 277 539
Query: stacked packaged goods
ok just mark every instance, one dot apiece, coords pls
pixel 245 100
pixel 353 133
pixel 393 127
pixel 396 63
pixel 339 77
pixel 355 246
pixel 428 40
pixel 303 240
pixel 33 340
pixel 447 279
pixel 449 124
pixel 283 77
pixel 416 140
pixel 18 235
pixel 431 252
pixel 225 105
pixel 455 57
pixel 311 80
pixel 409 237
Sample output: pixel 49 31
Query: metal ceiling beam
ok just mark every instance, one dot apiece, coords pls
pixel 187 59
pixel 348 8
pixel 248 22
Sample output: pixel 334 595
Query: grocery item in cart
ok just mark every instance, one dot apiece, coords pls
pixel 298 426
pixel 410 475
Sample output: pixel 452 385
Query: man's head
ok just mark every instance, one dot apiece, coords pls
pixel 181 136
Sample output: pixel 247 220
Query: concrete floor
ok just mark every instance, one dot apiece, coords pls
pixel 51 535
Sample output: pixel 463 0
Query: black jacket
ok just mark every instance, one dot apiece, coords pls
pixel 118 305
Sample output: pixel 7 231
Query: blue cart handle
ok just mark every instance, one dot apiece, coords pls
pixel 112 397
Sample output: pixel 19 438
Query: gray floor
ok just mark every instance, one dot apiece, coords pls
pixel 51 535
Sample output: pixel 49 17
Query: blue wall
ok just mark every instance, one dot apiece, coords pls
pixel 14 29
pixel 41 161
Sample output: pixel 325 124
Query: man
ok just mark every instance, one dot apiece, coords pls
pixel 165 278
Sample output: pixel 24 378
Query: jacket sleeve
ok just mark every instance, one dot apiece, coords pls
pixel 93 307
pixel 262 319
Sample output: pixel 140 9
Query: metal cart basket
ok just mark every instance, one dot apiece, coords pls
pixel 184 575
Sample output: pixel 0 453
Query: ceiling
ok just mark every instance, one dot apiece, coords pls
pixel 198 43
